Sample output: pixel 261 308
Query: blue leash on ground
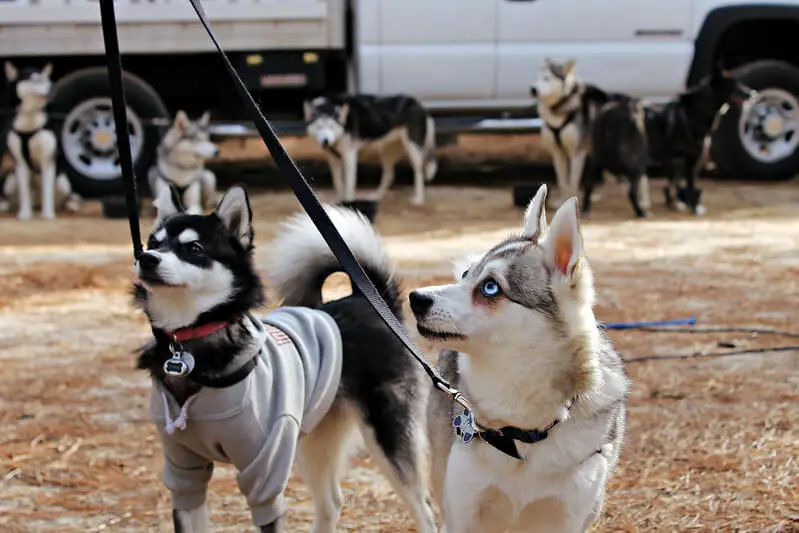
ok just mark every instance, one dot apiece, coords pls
pixel 667 326
pixel 690 321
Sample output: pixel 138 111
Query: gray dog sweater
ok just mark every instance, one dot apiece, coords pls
pixel 254 424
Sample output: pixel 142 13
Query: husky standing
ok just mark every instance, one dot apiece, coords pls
pixel 398 124
pixel 34 149
pixel 628 136
pixel 540 375
pixel 567 106
pixel 229 387
pixel 180 163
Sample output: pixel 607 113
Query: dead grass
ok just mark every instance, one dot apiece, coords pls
pixel 712 445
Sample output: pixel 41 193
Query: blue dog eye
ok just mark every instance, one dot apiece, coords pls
pixel 490 288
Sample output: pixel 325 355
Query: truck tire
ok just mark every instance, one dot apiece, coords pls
pixel 81 103
pixel 763 143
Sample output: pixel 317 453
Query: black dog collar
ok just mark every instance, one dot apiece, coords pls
pixel 504 439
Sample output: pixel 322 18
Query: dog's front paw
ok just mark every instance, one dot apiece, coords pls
pixel 24 215
pixel 417 200
pixel 5 206
pixel 680 206
pixel 700 210
pixel 48 215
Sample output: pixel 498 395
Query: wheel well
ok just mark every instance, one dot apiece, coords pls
pixel 739 44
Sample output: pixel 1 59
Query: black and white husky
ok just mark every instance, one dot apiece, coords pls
pixel 209 361
pixel 180 163
pixel 541 377
pixel 398 124
pixel 34 149
pixel 630 135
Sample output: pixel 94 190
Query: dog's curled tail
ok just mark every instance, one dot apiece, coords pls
pixel 430 162
pixel 301 260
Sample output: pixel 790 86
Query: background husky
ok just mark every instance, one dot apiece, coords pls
pixel 33 148
pixel 522 314
pixel 181 158
pixel 393 124
pixel 628 136
pixel 567 106
pixel 197 274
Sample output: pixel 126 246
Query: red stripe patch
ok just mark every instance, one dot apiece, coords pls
pixel 278 335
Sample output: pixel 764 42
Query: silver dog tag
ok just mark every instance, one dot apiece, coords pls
pixel 180 364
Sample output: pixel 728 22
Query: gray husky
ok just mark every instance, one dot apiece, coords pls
pixel 180 163
pixel 545 383
pixel 304 379
pixel 395 125
pixel 34 149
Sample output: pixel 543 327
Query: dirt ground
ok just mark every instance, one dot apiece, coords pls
pixel 712 444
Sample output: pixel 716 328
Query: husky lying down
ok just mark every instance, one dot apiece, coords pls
pixel 231 387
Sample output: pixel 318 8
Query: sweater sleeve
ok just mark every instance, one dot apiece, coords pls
pixel 263 477
pixel 186 475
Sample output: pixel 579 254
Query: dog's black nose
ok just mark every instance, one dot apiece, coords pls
pixel 420 303
pixel 325 142
pixel 148 261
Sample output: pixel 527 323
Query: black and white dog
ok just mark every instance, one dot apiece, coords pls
pixel 397 124
pixel 34 148
pixel 629 134
pixel 180 163
pixel 304 378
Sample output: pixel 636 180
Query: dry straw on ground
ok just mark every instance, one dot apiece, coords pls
pixel 712 445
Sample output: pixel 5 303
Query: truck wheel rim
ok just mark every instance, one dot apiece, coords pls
pixel 88 139
pixel 769 128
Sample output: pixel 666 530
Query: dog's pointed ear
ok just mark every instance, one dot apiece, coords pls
pixel 568 66
pixel 235 212
pixel 343 111
pixel 167 203
pixel 181 120
pixel 307 110
pixel 48 70
pixel 11 72
pixel 205 119
pixel 563 243
pixel 534 223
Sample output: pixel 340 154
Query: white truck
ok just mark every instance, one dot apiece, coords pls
pixel 472 62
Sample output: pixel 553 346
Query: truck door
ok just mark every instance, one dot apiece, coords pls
pixel 438 51
pixel 641 47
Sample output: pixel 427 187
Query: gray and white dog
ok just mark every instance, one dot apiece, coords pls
pixel 544 381
pixel 568 108
pixel 305 379
pixel 395 125
pixel 34 149
pixel 180 163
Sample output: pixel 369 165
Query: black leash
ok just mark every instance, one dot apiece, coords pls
pixel 114 60
pixel 288 168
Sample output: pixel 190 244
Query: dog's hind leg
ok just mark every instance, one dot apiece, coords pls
pixel 322 459
pixel 416 156
pixel 9 192
pixel 191 521
pixel 576 166
pixel 643 194
pixel 398 445
pixel 592 173
pixel 65 198
pixel 389 155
